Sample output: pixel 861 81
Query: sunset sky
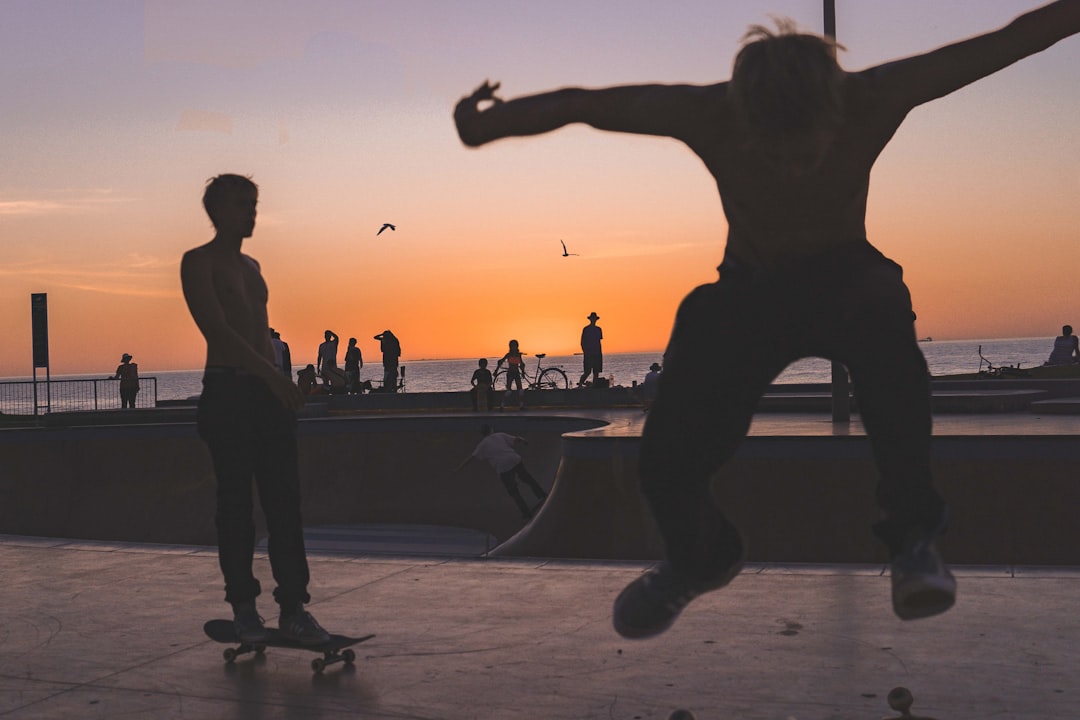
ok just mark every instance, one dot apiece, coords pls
pixel 115 113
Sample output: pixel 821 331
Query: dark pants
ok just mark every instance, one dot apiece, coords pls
pixel 733 337
pixel 593 364
pixel 480 396
pixel 390 376
pixel 127 397
pixel 509 480
pixel 252 437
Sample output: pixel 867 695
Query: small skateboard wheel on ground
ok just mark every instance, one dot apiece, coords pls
pixel 318 665
pixel 900 698
pixel 229 654
pixel 349 656
pixel 260 649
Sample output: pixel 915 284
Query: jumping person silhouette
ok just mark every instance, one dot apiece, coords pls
pixel 790 141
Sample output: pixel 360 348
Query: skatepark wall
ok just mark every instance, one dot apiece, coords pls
pixel 155 483
pixel 796 499
pixel 811 500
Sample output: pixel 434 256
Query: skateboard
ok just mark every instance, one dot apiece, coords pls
pixel 338 649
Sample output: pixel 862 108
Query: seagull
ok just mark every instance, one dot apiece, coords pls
pixel 564 253
pixel 386 225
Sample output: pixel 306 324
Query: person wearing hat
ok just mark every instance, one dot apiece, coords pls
pixel 591 335
pixel 127 373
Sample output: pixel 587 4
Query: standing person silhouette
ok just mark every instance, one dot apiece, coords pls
pixel 127 373
pixel 515 369
pixel 391 351
pixel 354 360
pixel 593 353
pixel 326 364
pixel 247 417
pixel 790 141
pixel 282 356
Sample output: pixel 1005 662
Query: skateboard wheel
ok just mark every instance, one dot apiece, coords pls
pixel 229 655
pixel 318 665
pixel 260 649
pixel 349 656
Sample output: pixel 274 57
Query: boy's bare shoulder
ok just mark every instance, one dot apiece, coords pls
pixel 201 254
pixel 213 254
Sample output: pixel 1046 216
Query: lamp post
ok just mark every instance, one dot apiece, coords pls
pixel 841 405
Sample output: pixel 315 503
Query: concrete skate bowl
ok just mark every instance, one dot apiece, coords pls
pixel 811 500
pixel 155 483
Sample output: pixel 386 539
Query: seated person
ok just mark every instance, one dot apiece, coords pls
pixel 306 381
pixel 481 385
pixel 1066 348
pixel 334 380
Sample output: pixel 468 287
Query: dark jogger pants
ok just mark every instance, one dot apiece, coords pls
pixel 510 479
pixel 252 441
pixel 733 337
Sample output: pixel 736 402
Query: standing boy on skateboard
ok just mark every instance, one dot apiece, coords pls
pixel 247 417
pixel 790 141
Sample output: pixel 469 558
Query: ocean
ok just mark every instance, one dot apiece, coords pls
pixel 945 357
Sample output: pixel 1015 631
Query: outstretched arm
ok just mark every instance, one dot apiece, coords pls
pixel 643 109
pixel 921 78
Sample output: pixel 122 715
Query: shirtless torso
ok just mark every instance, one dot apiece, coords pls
pixel 227 297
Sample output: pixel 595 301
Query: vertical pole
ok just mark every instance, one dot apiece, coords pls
pixel 841 404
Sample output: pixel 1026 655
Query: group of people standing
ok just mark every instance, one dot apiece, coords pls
pixel 482 379
pixel 326 367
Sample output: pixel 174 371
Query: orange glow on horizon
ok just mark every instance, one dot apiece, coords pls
pixel 341 112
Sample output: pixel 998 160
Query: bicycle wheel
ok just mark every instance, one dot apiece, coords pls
pixel 553 379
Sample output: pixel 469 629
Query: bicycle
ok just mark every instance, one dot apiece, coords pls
pixel 551 378
pixel 1001 370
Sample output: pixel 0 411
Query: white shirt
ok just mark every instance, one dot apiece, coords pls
pixel 497 450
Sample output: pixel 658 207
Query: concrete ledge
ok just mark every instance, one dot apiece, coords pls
pixel 456 401
pixel 595 509
pixel 1057 406
pixel 155 483
pixel 811 499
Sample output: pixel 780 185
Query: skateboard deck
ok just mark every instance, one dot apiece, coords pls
pixel 338 649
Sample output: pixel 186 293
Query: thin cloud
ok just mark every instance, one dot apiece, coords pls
pixel 126 290
pixel 136 276
pixel 63 201
pixel 30 207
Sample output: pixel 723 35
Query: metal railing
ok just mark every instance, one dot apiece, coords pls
pixel 21 397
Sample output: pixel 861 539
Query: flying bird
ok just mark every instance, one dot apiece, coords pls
pixel 385 225
pixel 564 253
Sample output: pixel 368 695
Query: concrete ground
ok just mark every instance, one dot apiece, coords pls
pixel 96 630
pixel 107 630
